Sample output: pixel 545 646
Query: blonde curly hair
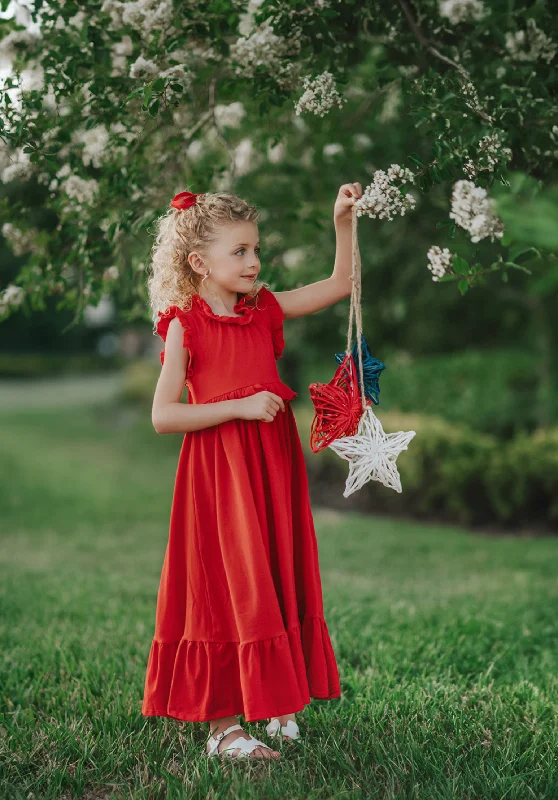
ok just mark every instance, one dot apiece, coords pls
pixel 171 280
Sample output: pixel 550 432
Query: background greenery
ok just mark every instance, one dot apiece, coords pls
pixel 446 639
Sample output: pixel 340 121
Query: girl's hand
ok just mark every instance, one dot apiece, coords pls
pixel 263 406
pixel 342 209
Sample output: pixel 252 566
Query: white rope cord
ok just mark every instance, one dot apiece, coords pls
pixel 356 303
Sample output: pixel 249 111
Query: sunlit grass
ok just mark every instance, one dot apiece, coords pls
pixel 447 642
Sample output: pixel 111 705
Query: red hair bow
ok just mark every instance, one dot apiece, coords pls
pixel 184 200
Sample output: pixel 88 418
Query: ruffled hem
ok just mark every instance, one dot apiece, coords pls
pixel 198 681
pixel 277 387
pixel 165 318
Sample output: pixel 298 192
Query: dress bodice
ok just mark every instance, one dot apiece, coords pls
pixel 231 356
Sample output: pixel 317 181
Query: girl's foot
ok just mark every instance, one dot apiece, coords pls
pixel 276 723
pixel 261 751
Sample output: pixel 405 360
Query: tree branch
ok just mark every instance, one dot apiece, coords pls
pixel 427 44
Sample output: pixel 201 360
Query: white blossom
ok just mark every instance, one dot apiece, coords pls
pixel 262 48
pixel 408 70
pixel 177 74
pixel 114 9
pixel 146 16
pixel 362 141
pixel 142 68
pixel 471 96
pixel 294 256
pixel 457 11
pixel 231 115
pixel 333 149
pixel 490 152
pixel 469 168
pixel 194 151
pixel 473 210
pixel 246 158
pixel 21 241
pixel 440 261
pixel 273 239
pixel 111 273
pixel 15 41
pixel 120 52
pixel 391 105
pixel 81 190
pixel 494 150
pixel 382 198
pixel 530 45
pixel 20 169
pixel 246 24
pixel 276 154
pixel 319 96
pixel 95 145
pixel 11 297
pixel 78 19
pixel 307 157
pixel 64 171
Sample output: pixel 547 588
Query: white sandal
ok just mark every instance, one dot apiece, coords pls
pixel 290 729
pixel 245 745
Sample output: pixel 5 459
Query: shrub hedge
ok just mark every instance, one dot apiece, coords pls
pixel 450 472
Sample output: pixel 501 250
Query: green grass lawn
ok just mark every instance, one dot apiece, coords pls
pixel 447 642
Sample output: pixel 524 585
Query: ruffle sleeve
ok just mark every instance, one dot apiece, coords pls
pixel 276 317
pixel 162 328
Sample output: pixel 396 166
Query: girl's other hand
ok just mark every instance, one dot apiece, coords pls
pixel 263 406
pixel 348 194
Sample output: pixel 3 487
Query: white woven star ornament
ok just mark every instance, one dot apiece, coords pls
pixel 372 453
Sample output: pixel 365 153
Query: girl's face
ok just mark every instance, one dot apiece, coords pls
pixel 234 258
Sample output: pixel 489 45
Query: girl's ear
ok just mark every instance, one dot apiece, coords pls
pixel 196 262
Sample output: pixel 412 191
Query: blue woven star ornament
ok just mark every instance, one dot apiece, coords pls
pixel 371 368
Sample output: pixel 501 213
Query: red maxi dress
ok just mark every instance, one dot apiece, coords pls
pixel 240 626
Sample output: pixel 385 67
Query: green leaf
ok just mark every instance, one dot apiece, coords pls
pixel 463 286
pixel 158 85
pixel 415 158
pixel 513 265
pixel 136 93
pixel 519 250
pixel 460 265
pixel 505 277
pixel 546 284
pixel 506 239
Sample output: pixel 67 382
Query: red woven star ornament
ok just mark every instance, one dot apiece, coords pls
pixel 338 406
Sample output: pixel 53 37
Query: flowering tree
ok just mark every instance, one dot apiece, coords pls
pixel 111 109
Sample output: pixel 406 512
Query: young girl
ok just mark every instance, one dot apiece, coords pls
pixel 240 626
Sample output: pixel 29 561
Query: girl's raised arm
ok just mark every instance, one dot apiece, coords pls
pixel 315 296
